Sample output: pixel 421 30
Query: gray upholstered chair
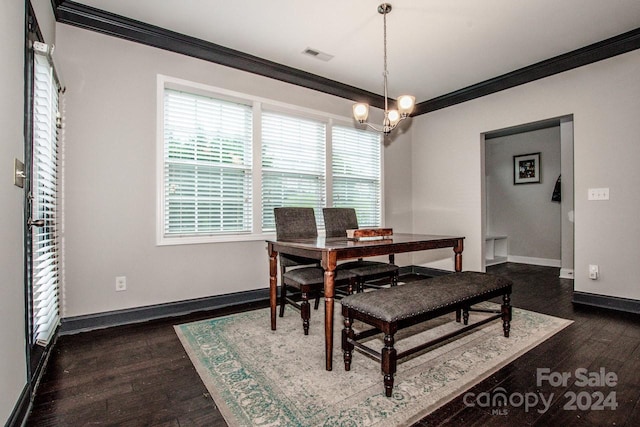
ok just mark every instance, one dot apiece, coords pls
pixel 305 275
pixel 336 223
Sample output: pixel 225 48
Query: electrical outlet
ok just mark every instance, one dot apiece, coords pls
pixel 594 272
pixel 121 283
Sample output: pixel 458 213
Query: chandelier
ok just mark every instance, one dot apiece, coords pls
pixel 405 103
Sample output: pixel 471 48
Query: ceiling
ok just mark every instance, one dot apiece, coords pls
pixel 435 47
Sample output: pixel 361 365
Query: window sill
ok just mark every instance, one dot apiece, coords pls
pixel 224 238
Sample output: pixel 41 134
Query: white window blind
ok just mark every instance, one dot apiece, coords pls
pixel 207 165
pixel 356 169
pixel 45 254
pixel 293 165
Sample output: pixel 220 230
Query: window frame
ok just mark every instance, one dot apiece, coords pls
pixel 258 105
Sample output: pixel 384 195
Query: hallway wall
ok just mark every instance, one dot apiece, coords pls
pixel 525 212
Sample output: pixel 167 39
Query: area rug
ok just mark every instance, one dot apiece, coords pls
pixel 260 377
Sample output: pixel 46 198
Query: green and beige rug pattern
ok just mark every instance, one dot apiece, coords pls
pixel 259 377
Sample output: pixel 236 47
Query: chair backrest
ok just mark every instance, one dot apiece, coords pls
pixel 295 223
pixel 338 220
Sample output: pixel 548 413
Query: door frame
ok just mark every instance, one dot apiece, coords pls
pixel 566 169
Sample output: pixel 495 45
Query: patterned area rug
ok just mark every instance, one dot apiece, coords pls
pixel 259 377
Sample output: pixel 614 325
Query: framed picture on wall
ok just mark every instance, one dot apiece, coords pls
pixel 526 169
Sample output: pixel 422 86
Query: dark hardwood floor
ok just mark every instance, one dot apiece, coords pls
pixel 139 375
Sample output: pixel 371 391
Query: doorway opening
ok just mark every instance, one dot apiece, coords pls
pixel 527 194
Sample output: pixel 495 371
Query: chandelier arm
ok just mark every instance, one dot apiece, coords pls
pixel 376 128
pixel 386 128
pixel 382 129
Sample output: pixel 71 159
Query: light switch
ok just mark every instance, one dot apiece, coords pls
pixel 18 173
pixel 598 194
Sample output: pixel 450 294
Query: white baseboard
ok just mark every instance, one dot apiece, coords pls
pixel 566 273
pixel 535 261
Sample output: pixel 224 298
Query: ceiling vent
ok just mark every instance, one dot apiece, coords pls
pixel 317 54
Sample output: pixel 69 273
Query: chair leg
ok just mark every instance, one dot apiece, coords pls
pixel 317 303
pixel 356 284
pixel 347 347
pixel 283 298
pixel 394 279
pixel 305 312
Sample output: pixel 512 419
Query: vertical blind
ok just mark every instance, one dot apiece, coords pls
pixel 207 165
pixel 293 165
pixel 45 255
pixel 356 171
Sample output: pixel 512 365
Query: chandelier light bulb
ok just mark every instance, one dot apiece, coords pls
pixel 394 117
pixel 360 112
pixel 406 104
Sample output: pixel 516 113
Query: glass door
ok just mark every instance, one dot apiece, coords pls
pixel 42 213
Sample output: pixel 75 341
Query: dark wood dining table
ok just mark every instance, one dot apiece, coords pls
pixel 331 250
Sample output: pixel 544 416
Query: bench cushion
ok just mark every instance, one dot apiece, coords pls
pixel 424 296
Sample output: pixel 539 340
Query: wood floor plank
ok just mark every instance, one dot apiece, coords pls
pixel 139 374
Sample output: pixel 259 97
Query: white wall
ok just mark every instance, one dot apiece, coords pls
pixel 110 189
pixel 604 99
pixel 397 184
pixel 525 213
pixel 46 20
pixel 12 333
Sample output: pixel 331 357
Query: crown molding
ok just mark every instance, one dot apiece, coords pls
pixel 605 49
pixel 72 13
pixel 89 18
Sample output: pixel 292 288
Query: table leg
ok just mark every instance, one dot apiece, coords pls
pixel 329 265
pixel 273 284
pixel 458 257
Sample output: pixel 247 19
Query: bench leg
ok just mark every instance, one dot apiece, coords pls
pixel 389 363
pixel 347 347
pixel 305 312
pixel 506 314
pixel 465 315
pixel 458 316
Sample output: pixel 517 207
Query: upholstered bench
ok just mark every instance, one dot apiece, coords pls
pixel 389 310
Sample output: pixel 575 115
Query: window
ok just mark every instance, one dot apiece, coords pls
pixel 355 166
pixel 293 164
pixel 207 165
pixel 226 159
